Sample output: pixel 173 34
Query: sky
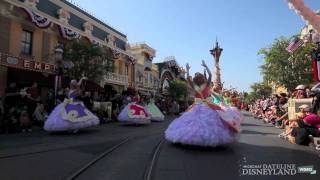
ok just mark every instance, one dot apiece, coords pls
pixel 187 29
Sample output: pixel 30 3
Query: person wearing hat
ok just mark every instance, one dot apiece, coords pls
pixel 308 125
pixel 293 123
pixel 300 92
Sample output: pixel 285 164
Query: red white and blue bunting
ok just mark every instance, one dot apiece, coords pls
pixel 68 33
pixel 43 22
pixel 116 55
pixel 38 20
pixel 132 59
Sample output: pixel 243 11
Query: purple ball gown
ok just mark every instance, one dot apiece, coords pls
pixel 70 115
pixel 204 124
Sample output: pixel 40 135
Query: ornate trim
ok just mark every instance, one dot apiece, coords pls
pixel 87 28
pixel 111 40
pixel 31 3
pixel 64 15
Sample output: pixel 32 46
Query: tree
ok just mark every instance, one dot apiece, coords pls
pixel 284 68
pixel 89 59
pixel 258 90
pixel 178 89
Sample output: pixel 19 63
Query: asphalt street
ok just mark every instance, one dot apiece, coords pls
pixel 114 151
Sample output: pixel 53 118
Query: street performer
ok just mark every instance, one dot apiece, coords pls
pixel 71 114
pixel 204 123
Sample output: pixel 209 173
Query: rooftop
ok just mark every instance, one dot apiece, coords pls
pixel 80 9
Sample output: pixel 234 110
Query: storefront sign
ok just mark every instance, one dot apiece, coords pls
pixel 22 63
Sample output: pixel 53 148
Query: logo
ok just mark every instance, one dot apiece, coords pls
pixel 265 169
pixel 306 170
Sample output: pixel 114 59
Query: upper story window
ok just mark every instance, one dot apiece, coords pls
pixel 126 70
pixel 26 42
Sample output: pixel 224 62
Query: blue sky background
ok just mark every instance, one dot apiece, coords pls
pixel 187 29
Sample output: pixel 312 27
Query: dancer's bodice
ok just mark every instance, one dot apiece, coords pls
pixel 73 94
pixel 202 92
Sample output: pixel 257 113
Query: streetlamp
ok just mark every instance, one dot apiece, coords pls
pixel 216 53
pixel 58 54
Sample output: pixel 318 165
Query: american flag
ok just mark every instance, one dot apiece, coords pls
pixel 294 45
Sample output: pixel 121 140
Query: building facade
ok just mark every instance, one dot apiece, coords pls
pixel 32 29
pixel 146 72
pixel 169 70
pixel 308 33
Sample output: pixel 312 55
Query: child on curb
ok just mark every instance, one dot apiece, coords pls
pixel 24 120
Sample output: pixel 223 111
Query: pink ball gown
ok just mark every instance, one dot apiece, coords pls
pixel 204 123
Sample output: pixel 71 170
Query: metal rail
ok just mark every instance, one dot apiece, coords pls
pixel 148 175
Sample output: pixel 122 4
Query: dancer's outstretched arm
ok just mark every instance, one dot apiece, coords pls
pixel 80 81
pixel 189 77
pixel 208 70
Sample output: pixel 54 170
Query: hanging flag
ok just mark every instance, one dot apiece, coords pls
pixel 294 44
pixel 316 64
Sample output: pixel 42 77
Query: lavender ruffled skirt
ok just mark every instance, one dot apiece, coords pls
pixel 56 122
pixel 200 126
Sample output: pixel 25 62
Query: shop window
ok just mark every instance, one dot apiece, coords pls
pixel 26 42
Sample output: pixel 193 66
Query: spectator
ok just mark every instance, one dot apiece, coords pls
pixel 1 115
pixel 24 120
pixel 300 92
pixel 60 96
pixel 11 123
pixel 12 96
pixel 40 114
pixel 32 98
pixel 86 99
pixel 175 108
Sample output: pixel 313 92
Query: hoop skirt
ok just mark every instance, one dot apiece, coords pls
pixel 134 114
pixel 70 115
pixel 156 114
pixel 204 124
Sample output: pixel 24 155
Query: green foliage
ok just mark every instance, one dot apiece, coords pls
pixel 258 90
pixel 178 89
pixel 284 68
pixel 89 60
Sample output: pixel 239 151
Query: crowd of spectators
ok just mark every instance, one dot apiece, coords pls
pixel 306 124
pixel 23 108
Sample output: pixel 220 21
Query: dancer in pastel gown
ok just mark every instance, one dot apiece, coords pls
pixel 204 123
pixel 134 113
pixel 156 114
pixel 71 114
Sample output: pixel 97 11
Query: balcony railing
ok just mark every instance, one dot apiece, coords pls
pixel 114 78
pixel 149 86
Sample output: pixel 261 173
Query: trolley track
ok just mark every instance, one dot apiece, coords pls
pixel 95 160
pixel 149 169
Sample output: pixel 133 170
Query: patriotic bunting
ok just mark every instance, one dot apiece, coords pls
pixel 38 20
pixel 43 22
pixel 68 33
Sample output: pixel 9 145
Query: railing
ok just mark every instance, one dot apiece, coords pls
pixel 149 86
pixel 114 78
